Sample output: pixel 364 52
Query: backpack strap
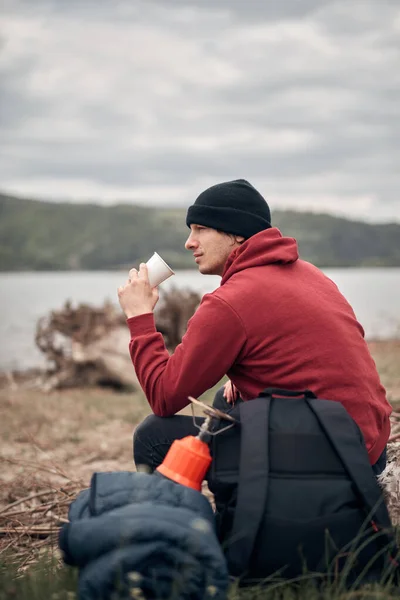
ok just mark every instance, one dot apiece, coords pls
pixel 285 393
pixel 354 458
pixel 253 482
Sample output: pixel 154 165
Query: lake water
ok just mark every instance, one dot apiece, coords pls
pixel 25 297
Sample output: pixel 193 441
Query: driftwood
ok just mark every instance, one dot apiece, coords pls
pixel 390 482
pixel 173 312
pixel 390 478
pixel 86 346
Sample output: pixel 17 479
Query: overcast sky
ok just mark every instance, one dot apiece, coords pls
pixel 153 101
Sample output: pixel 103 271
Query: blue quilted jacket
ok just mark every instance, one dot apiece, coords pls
pixel 140 535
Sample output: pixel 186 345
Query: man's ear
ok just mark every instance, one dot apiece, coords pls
pixel 239 239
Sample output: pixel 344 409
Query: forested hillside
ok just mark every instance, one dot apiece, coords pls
pixel 37 235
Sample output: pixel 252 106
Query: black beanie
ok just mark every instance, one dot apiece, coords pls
pixel 234 207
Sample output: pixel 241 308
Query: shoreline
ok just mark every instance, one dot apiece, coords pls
pixel 373 340
pixel 381 349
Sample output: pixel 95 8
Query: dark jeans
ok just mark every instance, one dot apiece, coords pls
pixel 154 436
pixel 380 464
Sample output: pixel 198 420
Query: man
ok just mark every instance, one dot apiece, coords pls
pixel 275 321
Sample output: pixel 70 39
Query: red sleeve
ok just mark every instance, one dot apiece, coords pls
pixel 212 342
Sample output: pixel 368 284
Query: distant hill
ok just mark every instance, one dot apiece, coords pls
pixel 36 235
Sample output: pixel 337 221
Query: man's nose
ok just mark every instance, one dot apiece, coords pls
pixel 190 243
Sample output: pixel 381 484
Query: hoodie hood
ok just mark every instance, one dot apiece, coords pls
pixel 265 248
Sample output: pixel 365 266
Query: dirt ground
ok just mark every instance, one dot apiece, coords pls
pixel 67 435
pixel 61 438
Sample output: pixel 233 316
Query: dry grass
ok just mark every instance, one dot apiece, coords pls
pixel 387 359
pixel 52 443
pixel 50 446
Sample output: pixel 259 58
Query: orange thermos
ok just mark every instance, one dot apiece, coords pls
pixel 187 462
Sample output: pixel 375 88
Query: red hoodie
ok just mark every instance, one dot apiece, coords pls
pixel 275 321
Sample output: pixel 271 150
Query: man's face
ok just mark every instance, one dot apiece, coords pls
pixel 210 248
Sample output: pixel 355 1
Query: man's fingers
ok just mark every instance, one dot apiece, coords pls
pixel 122 288
pixel 227 388
pixel 132 274
pixel 228 396
pixel 143 271
pixel 229 392
pixel 141 274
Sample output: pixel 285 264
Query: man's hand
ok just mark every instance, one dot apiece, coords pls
pixel 137 297
pixel 230 392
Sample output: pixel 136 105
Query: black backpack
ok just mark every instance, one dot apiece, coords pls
pixel 295 493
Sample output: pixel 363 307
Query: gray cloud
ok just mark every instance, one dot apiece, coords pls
pixel 151 102
pixel 254 10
